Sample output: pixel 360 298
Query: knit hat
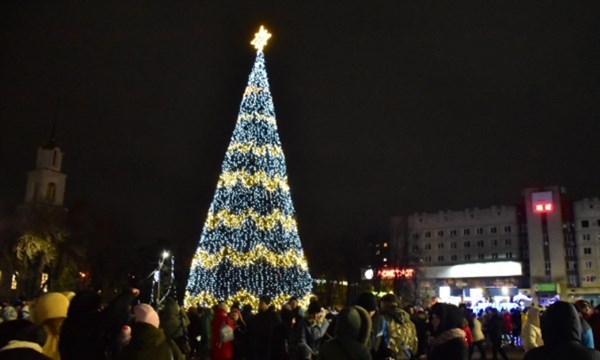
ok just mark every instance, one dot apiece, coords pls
pixel 52 305
pixel 367 301
pixel 266 299
pixel 146 314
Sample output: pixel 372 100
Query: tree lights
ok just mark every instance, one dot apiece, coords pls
pixel 249 244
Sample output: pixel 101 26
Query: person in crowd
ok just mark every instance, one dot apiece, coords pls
pixel 585 312
pixel 21 340
pixel 494 330
pixel 286 335
pixel 193 330
pixel 561 331
pixel 313 331
pixel 421 321
pixel 478 338
pixel 508 327
pixel 220 348
pixel 402 331
pixel 239 334
pixel 379 339
pixel 50 311
pixel 116 315
pixel 351 336
pixel 206 332
pixel 81 335
pixel 247 312
pixel 261 330
pixel 9 312
pixel 148 341
pixel 174 322
pixel 532 332
pixel 448 337
pixel 515 315
pixel 295 305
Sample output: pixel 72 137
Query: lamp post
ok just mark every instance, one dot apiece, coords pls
pixel 158 272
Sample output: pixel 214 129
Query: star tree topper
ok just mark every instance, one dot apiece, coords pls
pixel 261 38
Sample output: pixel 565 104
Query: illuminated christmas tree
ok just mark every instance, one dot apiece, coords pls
pixel 249 244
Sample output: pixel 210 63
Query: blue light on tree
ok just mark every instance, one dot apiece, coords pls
pixel 249 244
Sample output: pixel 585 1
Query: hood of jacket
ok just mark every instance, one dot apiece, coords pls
pixel 144 335
pixel 561 324
pixel 354 324
pixel 533 316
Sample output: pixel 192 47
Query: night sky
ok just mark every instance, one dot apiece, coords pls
pixel 383 109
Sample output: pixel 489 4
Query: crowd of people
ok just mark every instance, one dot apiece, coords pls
pixel 79 326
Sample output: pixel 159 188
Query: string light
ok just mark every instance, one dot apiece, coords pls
pixel 288 259
pixel 250 244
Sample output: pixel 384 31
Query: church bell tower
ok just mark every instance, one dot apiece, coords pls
pixel 46 184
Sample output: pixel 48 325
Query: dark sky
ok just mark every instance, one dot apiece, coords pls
pixel 383 107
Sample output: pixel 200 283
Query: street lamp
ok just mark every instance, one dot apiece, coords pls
pixel 158 272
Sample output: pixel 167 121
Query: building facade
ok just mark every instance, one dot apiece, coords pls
pixel 543 248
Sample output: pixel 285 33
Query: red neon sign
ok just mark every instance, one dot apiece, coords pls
pixel 395 273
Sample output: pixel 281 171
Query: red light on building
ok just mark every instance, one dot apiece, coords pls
pixel 395 273
pixel 542 202
pixel 543 208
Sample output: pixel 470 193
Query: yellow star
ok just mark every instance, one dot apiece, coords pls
pixel 260 38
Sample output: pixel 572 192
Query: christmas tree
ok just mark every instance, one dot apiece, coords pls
pixel 249 244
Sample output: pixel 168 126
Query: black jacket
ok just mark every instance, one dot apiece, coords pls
pixel 561 331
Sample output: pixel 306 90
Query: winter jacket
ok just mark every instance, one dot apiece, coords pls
pixel 22 350
pixel 449 342
pixel 81 335
pixel 219 350
pixel 561 331
pixel 351 336
pixel 402 332
pixel 477 332
pixel 532 333
pixel 174 322
pixel 148 342
pixel 587 337
pixel 312 336
pixel 261 329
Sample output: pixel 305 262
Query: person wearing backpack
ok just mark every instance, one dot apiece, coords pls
pixel 402 331
pixel 222 335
